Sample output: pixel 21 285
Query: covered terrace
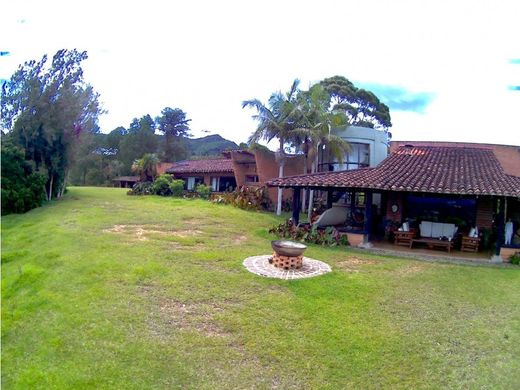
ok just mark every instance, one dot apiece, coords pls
pixel 464 187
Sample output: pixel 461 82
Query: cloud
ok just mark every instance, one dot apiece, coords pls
pixel 399 98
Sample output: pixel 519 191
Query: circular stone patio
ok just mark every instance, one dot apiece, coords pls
pixel 260 265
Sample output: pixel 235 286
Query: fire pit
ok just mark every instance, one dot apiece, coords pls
pixel 287 254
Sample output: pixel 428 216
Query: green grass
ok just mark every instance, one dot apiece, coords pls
pixel 104 290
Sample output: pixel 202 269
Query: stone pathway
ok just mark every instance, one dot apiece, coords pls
pixel 259 265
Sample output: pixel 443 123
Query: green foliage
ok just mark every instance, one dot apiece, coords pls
pixel 177 187
pixel 311 234
pixel 22 188
pixel 47 109
pixel 362 107
pixel 141 188
pixel 247 198
pixel 203 191
pixel 162 185
pixel 146 167
pixel 174 125
pixel 515 259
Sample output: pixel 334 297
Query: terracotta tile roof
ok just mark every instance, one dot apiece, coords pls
pixel 126 178
pixel 445 170
pixel 202 166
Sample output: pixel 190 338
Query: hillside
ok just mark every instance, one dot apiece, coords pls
pixel 211 145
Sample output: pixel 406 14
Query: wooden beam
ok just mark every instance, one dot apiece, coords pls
pixel 500 224
pixel 329 197
pixel 296 205
pixel 368 214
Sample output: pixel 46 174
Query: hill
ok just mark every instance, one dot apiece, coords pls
pixel 211 145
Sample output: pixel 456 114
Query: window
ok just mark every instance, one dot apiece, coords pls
pixel 357 157
pixel 252 179
pixel 215 183
pixel 193 182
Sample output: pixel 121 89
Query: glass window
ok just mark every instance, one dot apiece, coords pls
pixel 357 157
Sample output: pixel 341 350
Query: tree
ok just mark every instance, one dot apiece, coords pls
pixel 141 139
pixel 315 122
pixel 46 108
pixel 173 124
pixel 276 120
pixel 22 188
pixel 146 166
pixel 361 107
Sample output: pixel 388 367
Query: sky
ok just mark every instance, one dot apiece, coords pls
pixel 448 69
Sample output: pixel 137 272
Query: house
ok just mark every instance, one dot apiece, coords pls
pixel 216 173
pixel 125 181
pixel 476 185
pixel 254 168
pixel 130 181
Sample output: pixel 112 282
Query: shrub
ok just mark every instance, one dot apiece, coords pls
pixel 248 198
pixel 141 188
pixel 177 187
pixel 308 233
pixel 22 188
pixel 515 259
pixel 251 198
pixel 203 191
pixel 162 185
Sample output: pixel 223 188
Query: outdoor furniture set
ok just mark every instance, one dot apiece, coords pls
pixel 435 235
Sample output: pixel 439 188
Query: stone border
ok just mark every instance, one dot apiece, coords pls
pixel 259 265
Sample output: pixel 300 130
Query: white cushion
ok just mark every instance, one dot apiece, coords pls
pixel 436 229
pixel 448 229
pixel 426 228
pixel 332 216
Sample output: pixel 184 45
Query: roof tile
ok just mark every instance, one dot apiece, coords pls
pixel 451 170
pixel 202 166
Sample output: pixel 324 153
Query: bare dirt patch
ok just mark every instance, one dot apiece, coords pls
pixel 354 264
pixel 169 314
pixel 142 232
pixel 411 269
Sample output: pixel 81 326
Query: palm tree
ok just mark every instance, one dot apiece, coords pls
pixel 276 120
pixel 314 130
pixel 146 166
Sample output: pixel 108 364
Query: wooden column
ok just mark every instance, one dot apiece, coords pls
pixel 500 224
pixel 368 214
pixel 352 203
pixel 329 198
pixel 296 206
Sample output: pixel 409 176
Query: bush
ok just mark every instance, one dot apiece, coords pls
pixel 177 187
pixel 162 185
pixel 251 198
pixel 141 188
pixel 515 259
pixel 22 188
pixel 203 191
pixel 308 233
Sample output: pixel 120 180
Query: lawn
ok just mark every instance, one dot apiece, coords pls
pixel 105 290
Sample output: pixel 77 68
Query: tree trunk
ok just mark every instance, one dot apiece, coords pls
pixel 49 195
pixel 280 174
pixel 314 167
pixel 280 191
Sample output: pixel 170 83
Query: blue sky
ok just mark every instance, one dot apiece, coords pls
pixel 449 70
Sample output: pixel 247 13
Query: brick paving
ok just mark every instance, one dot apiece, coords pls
pixel 259 265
